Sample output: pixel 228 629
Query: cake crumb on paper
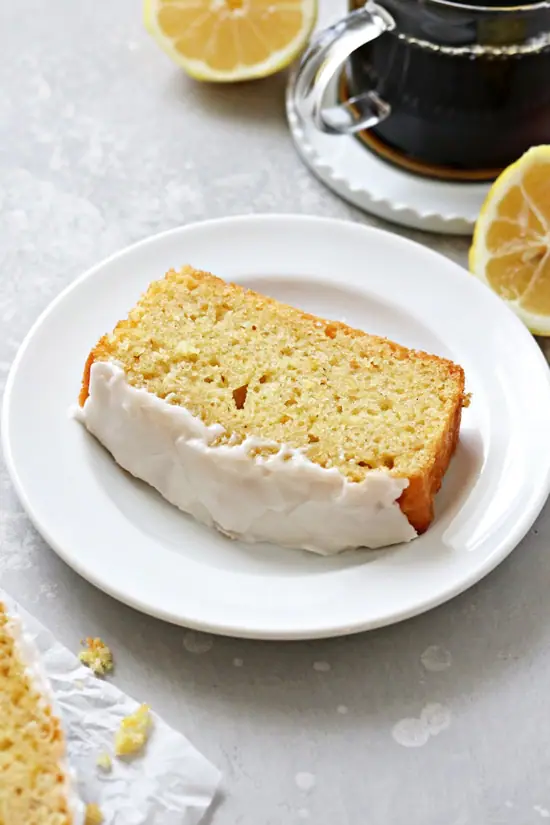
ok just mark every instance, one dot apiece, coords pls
pixel 133 731
pixel 97 656
pixel 93 815
pixel 104 762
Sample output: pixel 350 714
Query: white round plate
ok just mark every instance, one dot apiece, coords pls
pixel 124 538
pixel 357 175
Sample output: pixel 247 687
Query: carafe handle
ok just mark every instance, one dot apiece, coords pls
pixel 324 58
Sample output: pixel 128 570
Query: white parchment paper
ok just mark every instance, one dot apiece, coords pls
pixel 169 783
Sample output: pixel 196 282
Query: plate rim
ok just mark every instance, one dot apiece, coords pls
pixel 506 546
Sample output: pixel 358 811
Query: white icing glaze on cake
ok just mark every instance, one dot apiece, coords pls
pixel 284 498
pixel 29 656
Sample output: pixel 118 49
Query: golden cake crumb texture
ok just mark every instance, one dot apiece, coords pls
pixel 104 762
pixel 133 731
pixel 93 815
pixel 97 656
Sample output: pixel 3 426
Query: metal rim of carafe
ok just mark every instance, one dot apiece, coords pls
pixel 517 9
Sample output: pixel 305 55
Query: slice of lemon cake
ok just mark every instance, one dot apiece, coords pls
pixel 271 424
pixel 35 783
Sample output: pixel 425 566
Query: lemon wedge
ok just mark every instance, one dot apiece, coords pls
pixel 231 40
pixel 510 251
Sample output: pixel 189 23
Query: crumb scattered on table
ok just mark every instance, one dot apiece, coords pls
pixel 97 656
pixel 104 762
pixel 133 731
pixel 93 815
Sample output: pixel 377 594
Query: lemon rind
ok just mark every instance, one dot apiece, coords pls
pixel 479 256
pixel 200 70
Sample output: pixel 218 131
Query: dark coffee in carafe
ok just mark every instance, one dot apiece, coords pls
pixel 468 85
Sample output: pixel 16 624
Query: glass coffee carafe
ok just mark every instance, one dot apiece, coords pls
pixel 443 88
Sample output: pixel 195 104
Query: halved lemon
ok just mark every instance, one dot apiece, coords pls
pixel 231 40
pixel 511 246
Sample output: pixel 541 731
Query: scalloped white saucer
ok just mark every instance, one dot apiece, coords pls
pixel 354 173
